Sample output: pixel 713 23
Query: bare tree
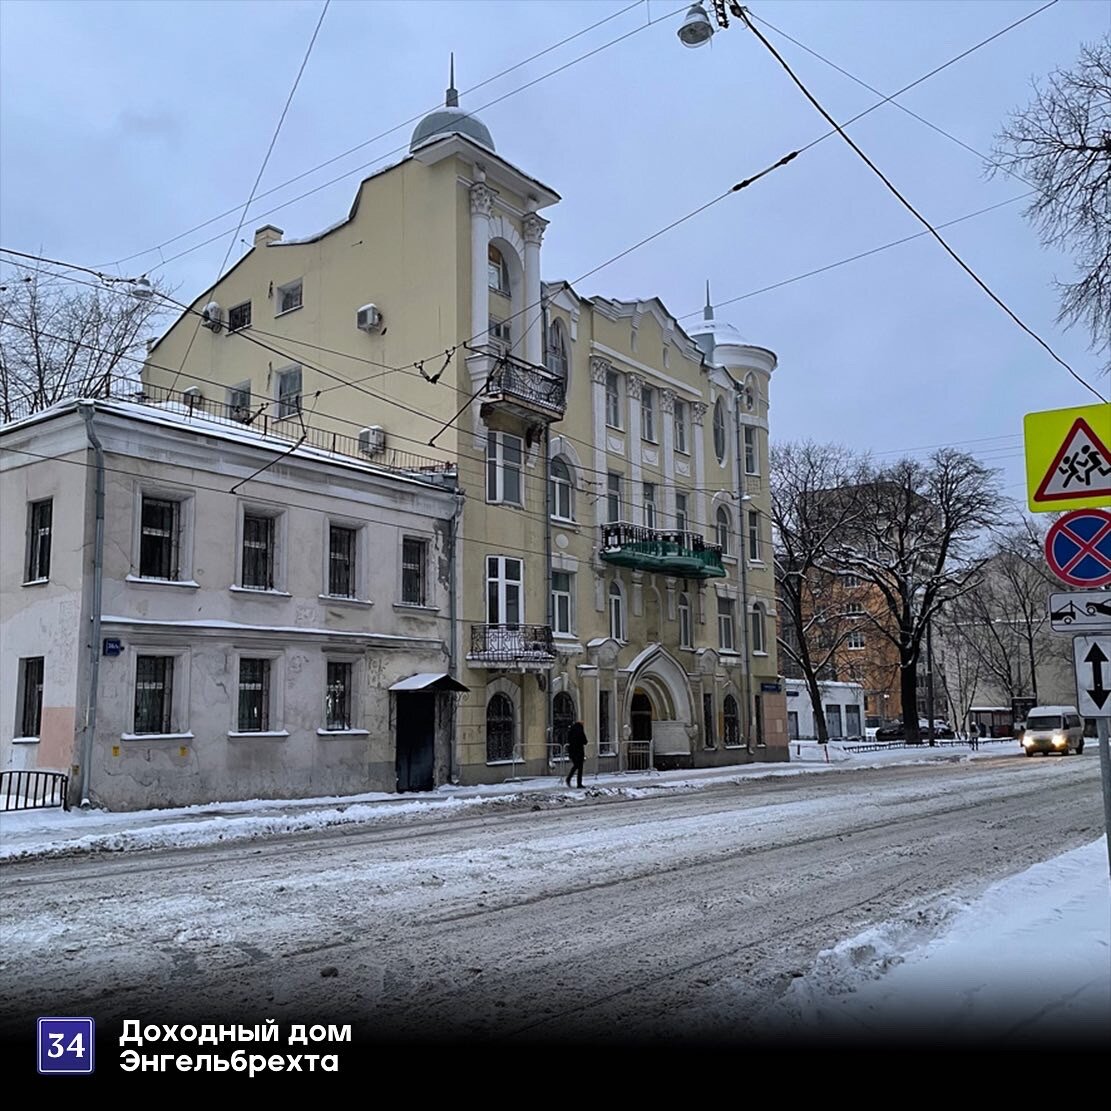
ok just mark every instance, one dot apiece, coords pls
pixel 959 668
pixel 60 340
pixel 1004 620
pixel 1061 144
pixel 917 525
pixel 815 614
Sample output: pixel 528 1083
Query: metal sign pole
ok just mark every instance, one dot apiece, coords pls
pixel 1103 729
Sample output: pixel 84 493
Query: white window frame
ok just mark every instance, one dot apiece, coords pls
pixel 496 457
pixel 276 708
pixel 281 408
pixel 648 414
pixel 279 515
pixel 754 538
pixel 500 332
pixel 651 513
pixel 758 622
pixel 556 350
pixel 682 511
pixel 33 551
pixel 680 421
pixel 297 284
pixel 615 606
pixel 503 284
pixel 179 695
pixel 615 394
pixel 719 424
pixel 686 623
pixel 611 494
pixel 185 519
pixel 727 624
pixel 233 401
pixel 564 484
pixel 856 641
pixel 500 576
pixel 568 596
pixel 723 529
pixel 250 315
pixel 751 449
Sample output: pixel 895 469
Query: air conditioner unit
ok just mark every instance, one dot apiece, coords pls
pixel 213 316
pixel 372 441
pixel 369 318
pixel 192 396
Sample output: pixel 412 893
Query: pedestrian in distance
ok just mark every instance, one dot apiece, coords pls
pixel 974 738
pixel 576 750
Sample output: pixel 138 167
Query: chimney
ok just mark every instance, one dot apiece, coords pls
pixel 268 234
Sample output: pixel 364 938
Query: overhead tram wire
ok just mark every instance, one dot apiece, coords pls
pixel 261 171
pixel 839 128
pixel 405 123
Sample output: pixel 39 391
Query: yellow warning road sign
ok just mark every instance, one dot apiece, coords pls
pixel 1068 458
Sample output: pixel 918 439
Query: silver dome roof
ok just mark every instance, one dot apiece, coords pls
pixel 451 120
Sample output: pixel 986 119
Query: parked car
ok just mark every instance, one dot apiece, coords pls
pixel 892 731
pixel 870 727
pixel 895 731
pixel 1053 729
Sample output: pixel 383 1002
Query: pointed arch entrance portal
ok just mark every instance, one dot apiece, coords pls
pixel 659 704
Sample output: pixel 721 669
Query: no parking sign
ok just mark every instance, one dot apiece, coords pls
pixel 1078 548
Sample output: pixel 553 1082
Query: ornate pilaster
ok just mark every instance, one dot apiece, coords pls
pixel 533 228
pixel 698 413
pixel 482 199
pixel 599 368
pixel 482 203
pixel 634 384
pixel 667 402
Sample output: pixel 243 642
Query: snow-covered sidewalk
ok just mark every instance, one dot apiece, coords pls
pixel 44 833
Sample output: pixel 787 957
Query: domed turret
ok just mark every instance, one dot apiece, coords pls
pixel 451 120
pixel 709 333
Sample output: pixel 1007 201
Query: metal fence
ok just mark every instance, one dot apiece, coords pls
pixel 33 790
pixel 636 756
pixel 883 746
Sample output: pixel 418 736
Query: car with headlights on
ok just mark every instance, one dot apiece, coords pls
pixel 1053 729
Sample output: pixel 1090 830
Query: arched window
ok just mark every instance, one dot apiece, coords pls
pixel 723 527
pixel 719 430
pixel 555 358
pixel 563 490
pixel 499 728
pixel 617 612
pixel 731 720
pixel 497 270
pixel 759 630
pixel 684 621
pixel 563 717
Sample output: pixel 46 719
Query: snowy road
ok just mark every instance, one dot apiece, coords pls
pixel 687 914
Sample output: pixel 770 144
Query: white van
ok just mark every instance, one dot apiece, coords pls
pixel 1053 729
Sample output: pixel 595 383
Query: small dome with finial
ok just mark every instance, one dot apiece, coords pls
pixel 709 333
pixel 451 120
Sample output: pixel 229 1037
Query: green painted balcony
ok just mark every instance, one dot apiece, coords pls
pixel 684 555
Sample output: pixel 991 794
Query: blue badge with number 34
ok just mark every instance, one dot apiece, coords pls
pixel 66 1045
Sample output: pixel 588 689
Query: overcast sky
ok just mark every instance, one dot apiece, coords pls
pixel 125 124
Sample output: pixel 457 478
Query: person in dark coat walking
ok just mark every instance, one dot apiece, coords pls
pixel 576 750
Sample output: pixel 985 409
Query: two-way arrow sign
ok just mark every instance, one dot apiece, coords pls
pixel 1092 656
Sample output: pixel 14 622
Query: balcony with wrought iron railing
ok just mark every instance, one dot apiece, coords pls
pixel 682 554
pixel 524 647
pixel 512 385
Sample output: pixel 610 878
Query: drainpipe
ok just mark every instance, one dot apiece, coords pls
pixel 87 409
pixel 742 559
pixel 548 568
pixel 453 622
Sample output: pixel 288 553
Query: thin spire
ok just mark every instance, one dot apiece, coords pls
pixel 451 100
pixel 708 311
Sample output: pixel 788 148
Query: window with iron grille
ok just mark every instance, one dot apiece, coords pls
pixel 40 524
pixel 499 728
pixel 709 737
pixel 239 316
pixel 731 721
pixel 289 393
pixel 613 399
pixel 31 670
pixel 290 297
pixel 159 539
pixel 338 696
pixel 254 696
pixel 258 552
pixel 648 414
pixel 605 723
pixel 680 415
pixel 154 694
pixel 726 638
pixel 414 555
pixel 342 544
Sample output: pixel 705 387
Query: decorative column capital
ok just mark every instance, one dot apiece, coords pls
pixel 698 412
pixel 635 384
pixel 667 402
pixel 482 199
pixel 533 227
pixel 599 368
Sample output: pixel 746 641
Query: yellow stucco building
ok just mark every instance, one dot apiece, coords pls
pixel 611 559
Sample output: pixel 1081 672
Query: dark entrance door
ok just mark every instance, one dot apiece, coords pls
pixel 416 740
pixel 640 711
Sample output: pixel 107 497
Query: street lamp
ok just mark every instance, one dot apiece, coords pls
pixel 697 28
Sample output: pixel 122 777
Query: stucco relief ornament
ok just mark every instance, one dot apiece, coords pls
pixel 533 227
pixel 634 383
pixel 482 200
pixel 667 402
pixel 599 368
pixel 698 412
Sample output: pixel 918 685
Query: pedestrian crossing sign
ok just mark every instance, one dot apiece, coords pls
pixel 1068 458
